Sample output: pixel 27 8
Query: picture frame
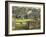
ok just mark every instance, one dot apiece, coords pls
pixel 22 13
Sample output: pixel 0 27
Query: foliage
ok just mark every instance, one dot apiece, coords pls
pixel 21 20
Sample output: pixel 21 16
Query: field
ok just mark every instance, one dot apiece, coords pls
pixel 25 24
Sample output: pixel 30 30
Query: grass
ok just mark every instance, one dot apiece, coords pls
pixel 24 20
pixel 22 24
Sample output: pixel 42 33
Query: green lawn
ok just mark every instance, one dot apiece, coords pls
pixel 22 24
pixel 24 20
